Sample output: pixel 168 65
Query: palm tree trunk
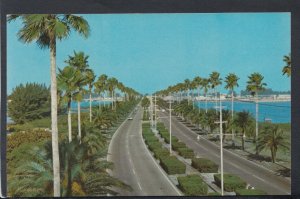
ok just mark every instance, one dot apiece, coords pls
pixel 243 141
pixel 90 107
pixel 79 121
pixel 99 102
pixel 199 99
pixel 205 103
pixel 112 100
pixel 54 130
pixel 256 124
pixel 272 155
pixel 232 131
pixel 69 121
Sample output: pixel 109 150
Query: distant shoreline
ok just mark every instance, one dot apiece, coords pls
pixel 245 100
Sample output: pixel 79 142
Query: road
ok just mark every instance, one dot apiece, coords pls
pixel 251 172
pixel 134 165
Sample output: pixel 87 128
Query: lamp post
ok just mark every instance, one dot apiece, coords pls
pixel 221 145
pixel 155 120
pixel 170 128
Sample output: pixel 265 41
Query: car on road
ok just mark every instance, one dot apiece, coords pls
pixel 130 118
pixel 163 110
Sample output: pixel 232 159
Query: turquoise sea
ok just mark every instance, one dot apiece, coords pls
pixel 278 112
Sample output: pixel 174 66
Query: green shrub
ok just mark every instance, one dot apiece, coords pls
pixel 204 165
pixel 29 102
pixel 160 153
pixel 154 145
pixel 14 140
pixel 250 192
pixel 231 182
pixel 177 145
pixel 151 139
pixel 167 139
pixel 172 165
pixel 192 185
pixel 186 152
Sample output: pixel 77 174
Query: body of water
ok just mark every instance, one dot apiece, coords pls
pixel 278 112
pixel 86 104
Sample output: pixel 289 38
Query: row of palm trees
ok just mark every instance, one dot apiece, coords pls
pixel 45 30
pixel 83 162
pixel 255 85
pixel 77 79
pixel 271 136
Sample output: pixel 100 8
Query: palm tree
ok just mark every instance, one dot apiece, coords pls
pixel 100 85
pixel 215 81
pixel 111 85
pixel 197 81
pixel 286 70
pixel 205 84
pixel 66 82
pixel 193 86
pixel 243 120
pixel 228 125
pixel 211 118
pixel 231 81
pixel 187 85
pixel 272 138
pixel 45 29
pixel 254 86
pixel 80 62
pixel 90 78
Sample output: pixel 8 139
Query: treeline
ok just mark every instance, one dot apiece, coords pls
pixel 241 125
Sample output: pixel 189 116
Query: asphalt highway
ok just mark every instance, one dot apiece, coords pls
pixel 134 165
pixel 253 173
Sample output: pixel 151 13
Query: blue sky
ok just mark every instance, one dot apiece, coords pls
pixel 149 52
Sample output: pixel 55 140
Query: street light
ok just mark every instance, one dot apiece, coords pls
pixel 221 144
pixel 170 111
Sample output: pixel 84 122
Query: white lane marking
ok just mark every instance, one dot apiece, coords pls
pixel 109 156
pixel 139 185
pixel 130 158
pixel 159 168
pixel 258 177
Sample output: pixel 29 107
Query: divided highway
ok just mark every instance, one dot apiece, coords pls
pixel 134 165
pixel 253 173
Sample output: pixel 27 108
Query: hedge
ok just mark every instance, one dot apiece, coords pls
pixel 172 165
pixel 160 153
pixel 250 192
pixel 151 139
pixel 186 152
pixel 204 165
pixel 177 145
pixel 192 185
pixel 231 182
pixel 154 145
pixel 167 139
